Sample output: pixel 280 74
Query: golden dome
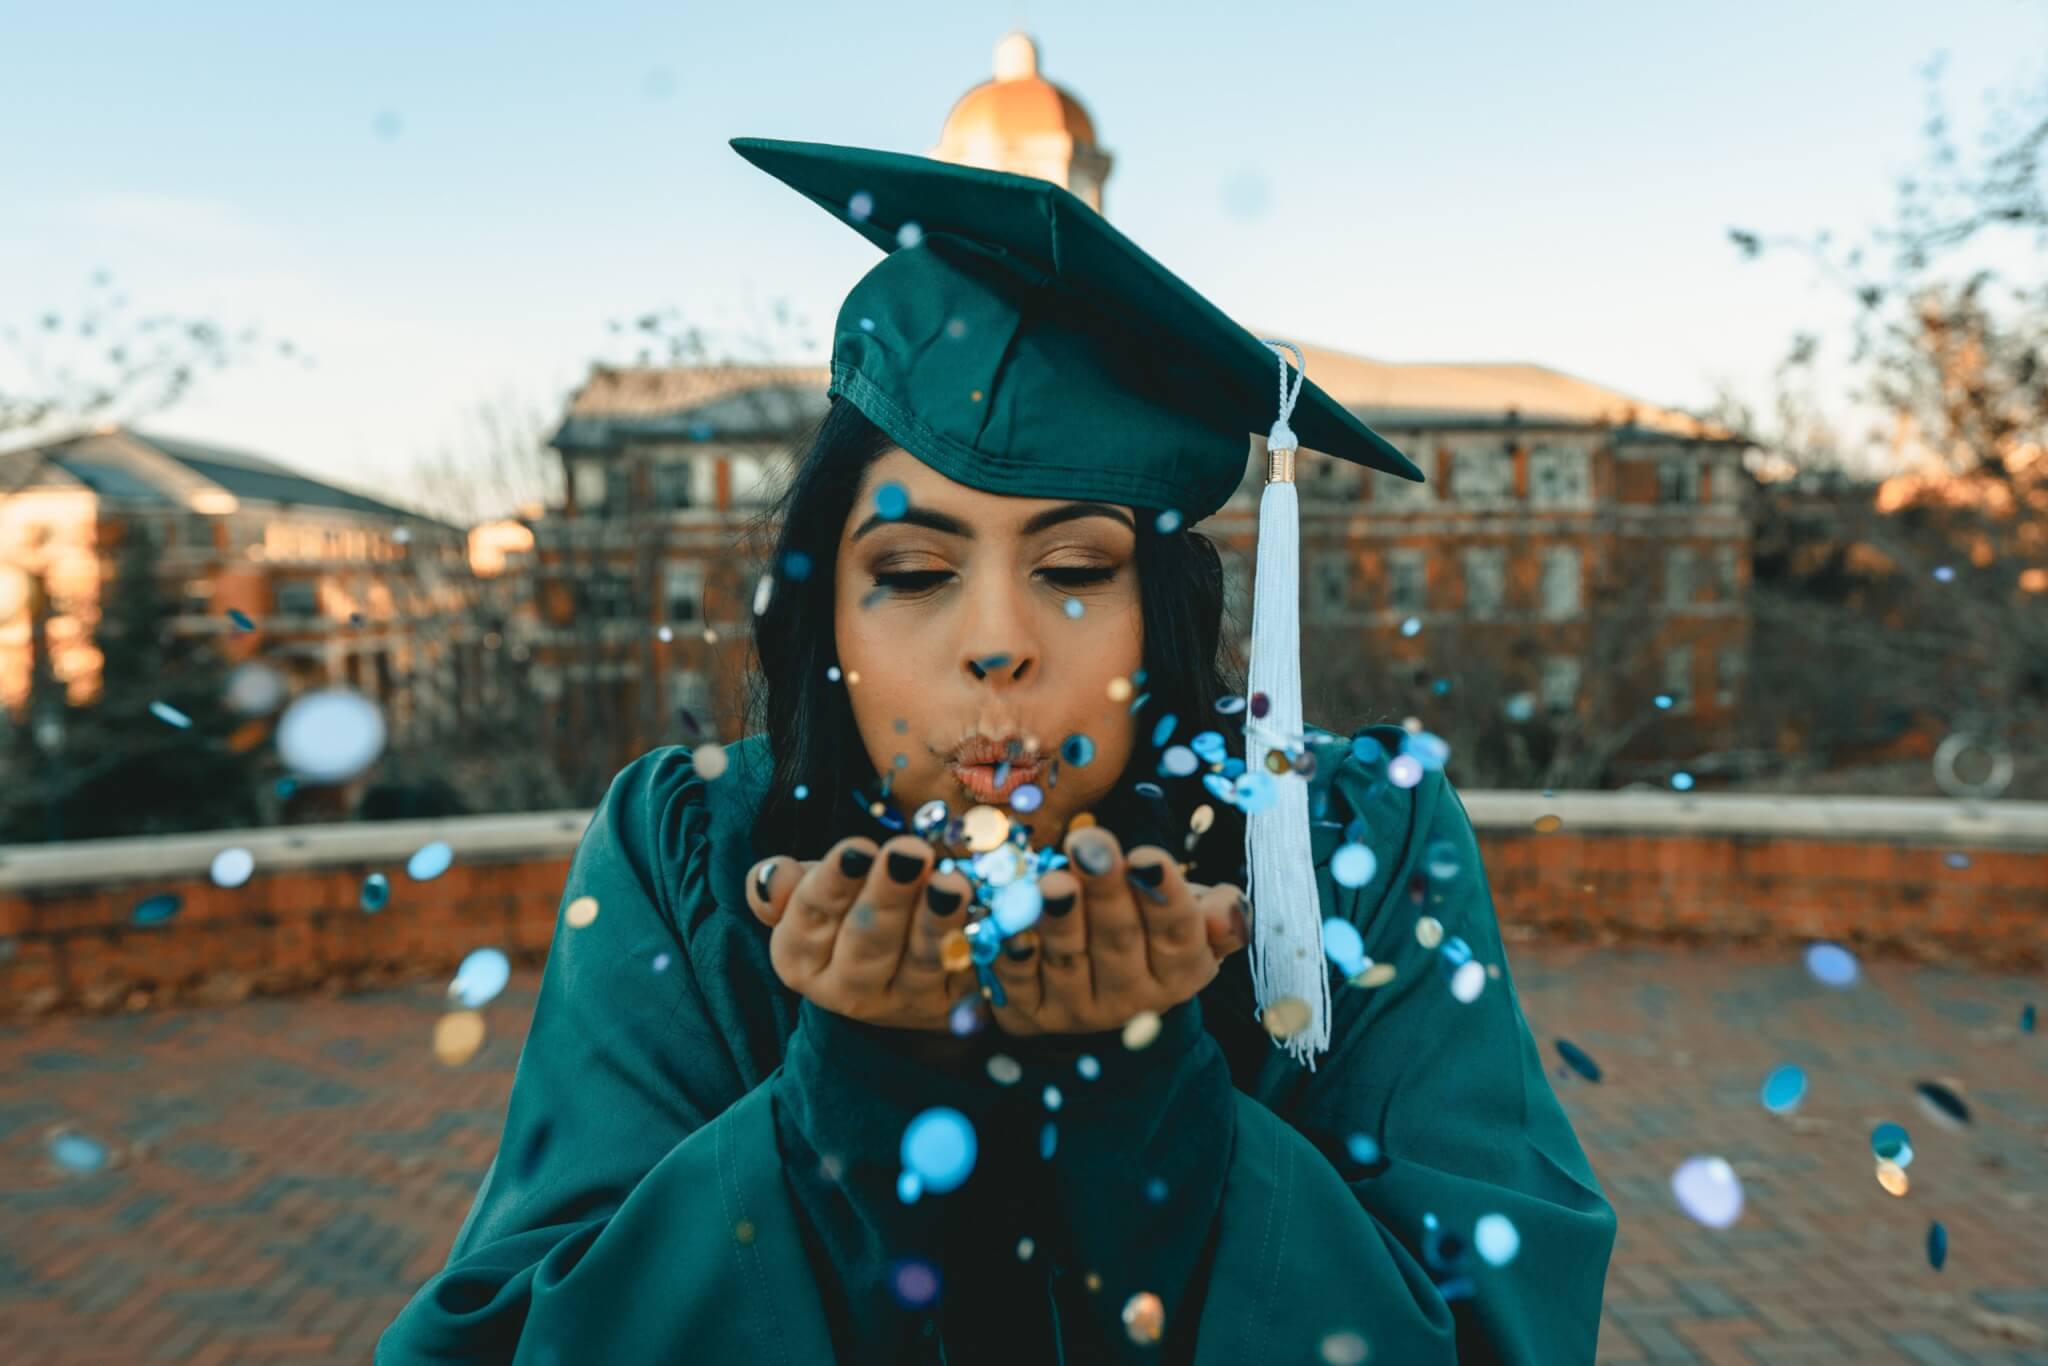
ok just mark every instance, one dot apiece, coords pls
pixel 1017 104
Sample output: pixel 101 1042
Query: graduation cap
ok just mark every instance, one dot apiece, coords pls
pixel 1017 343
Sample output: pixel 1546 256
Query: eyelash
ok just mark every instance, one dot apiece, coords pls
pixel 909 582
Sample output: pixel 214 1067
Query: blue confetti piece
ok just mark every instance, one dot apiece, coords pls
pixel 157 909
pixel 240 619
pixel 170 715
pixel 1937 1245
pixel 1578 1060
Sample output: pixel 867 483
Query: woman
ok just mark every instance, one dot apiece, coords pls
pixel 796 1094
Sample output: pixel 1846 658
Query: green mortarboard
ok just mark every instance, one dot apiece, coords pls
pixel 1018 344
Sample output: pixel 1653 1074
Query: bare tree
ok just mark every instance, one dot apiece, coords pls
pixel 499 463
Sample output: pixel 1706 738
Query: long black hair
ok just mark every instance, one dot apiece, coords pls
pixel 807 719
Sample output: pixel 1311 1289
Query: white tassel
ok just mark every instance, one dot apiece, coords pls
pixel 1287 922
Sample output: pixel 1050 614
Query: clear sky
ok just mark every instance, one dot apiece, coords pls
pixel 442 202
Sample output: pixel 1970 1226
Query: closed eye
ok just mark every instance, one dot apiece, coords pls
pixel 913 581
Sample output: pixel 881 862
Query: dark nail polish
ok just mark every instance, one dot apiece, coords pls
pixel 856 862
pixel 763 876
pixel 1020 951
pixel 1151 874
pixel 1145 889
pixel 1094 856
pixel 1057 906
pixel 941 901
pixel 904 867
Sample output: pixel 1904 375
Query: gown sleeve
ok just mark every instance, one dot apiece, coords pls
pixel 1300 1216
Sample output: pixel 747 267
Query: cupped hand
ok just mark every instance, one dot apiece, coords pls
pixel 858 931
pixel 1117 936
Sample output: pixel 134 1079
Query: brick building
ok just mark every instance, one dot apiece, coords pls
pixel 1575 547
pixel 339 588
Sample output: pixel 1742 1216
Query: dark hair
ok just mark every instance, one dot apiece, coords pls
pixel 808 720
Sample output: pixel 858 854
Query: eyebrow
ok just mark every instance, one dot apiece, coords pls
pixel 933 519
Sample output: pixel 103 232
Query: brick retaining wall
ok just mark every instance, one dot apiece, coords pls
pixel 1879 875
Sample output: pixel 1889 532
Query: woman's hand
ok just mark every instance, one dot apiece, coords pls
pixel 858 934
pixel 1116 937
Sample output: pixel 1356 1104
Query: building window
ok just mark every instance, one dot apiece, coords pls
pixel 297 598
pixel 618 490
pixel 1678 676
pixel 1678 480
pixel 1678 577
pixel 1560 684
pixel 1329 583
pixel 603 597
pixel 1407 581
pixel 1559 476
pixel 1484 475
pixel 198 597
pixel 689 701
pixel 1726 572
pixel 1485 581
pixel 682 593
pixel 1728 671
pixel 590 486
pixel 1394 493
pixel 1561 573
pixel 672 485
pixel 750 482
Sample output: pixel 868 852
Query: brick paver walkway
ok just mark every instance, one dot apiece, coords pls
pixel 288 1171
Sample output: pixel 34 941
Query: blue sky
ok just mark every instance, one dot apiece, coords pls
pixel 1457 182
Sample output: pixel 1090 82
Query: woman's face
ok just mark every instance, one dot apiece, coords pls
pixel 959 646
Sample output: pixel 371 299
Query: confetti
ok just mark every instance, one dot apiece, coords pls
pixel 1429 931
pixel 1142 1030
pixel 891 502
pixel 77 1154
pixel 1052 1097
pixel 170 715
pixel 1343 1349
pixel 1831 965
pixel 331 735
pixel 1784 1089
pixel 1353 865
pixel 1077 750
pixel 1048 1141
pixel 376 893
pixel 1025 1247
pixel 914 1283
pixel 1144 1316
pixel 581 912
pixel 709 760
pixel 1168 522
pixel 1890 1143
pixel 1404 770
pixel 1547 824
pixel 1578 1059
pixel 860 206
pixel 1088 1067
pixel 955 953
pixel 240 619
pixel 1893 1178
pixel 482 975
pixel 1375 975
pixel 1364 1149
pixel 938 1148
pixel 1344 946
pixel 232 867
pixel 1937 1245
pixel 1004 1070
pixel 429 861
pixel 157 909
pixel 1708 1190
pixel 255 689
pixel 457 1037
pixel 764 593
pixel 1942 1105
pixel 1027 798
pixel 985 827
pixel 1496 1239
pixel 1412 627
pixel 1467 982
pixel 909 235
pixel 1286 1017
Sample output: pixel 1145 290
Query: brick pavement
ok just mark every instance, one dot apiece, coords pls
pixel 289 1170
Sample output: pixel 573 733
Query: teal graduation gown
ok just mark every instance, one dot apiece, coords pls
pixel 696 1165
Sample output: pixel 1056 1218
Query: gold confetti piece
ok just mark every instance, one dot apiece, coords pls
pixel 1893 1178
pixel 1429 931
pixel 1286 1017
pixel 852 677
pixel 1277 762
pixel 1547 823
pixel 457 1036
pixel 1144 1318
pixel 1142 1030
pixel 1204 817
pixel 986 827
pixel 1082 820
pixel 1093 1281
pixel 743 1232
pixel 709 759
pixel 1119 689
pixel 955 953
pixel 581 912
pixel 1378 975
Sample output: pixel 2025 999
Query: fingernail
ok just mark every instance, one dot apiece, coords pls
pixel 1151 874
pixel 763 876
pixel 1020 950
pixel 1093 855
pixel 1057 906
pixel 904 867
pixel 941 901
pixel 856 862
pixel 1145 889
